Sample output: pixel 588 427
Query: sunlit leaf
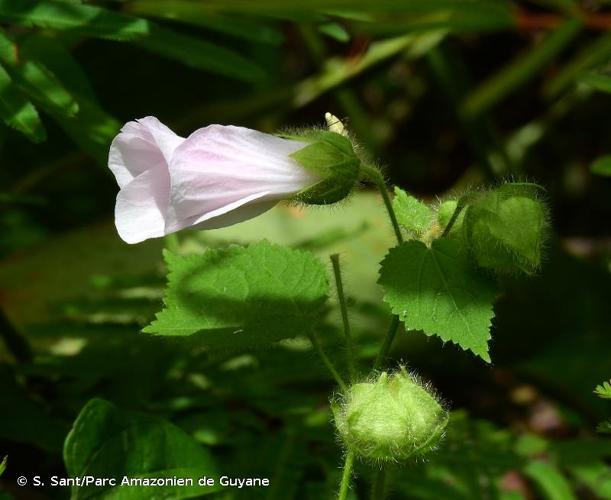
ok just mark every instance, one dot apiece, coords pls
pixel 437 290
pixel 17 112
pixel 242 296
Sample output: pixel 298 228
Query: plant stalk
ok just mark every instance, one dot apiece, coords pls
pixel 344 310
pixel 388 340
pixel 378 487
pixel 375 176
pixel 346 476
pixel 316 343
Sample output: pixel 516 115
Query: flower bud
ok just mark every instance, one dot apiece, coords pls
pixel 394 418
pixel 331 157
pixel 506 228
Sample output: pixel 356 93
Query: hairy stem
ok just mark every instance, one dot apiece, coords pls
pixel 344 310
pixel 344 486
pixel 386 345
pixel 378 487
pixel 327 361
pixel 375 176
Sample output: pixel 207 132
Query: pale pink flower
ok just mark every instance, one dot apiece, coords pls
pixel 218 176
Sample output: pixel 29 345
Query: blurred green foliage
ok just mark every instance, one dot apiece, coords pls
pixel 446 93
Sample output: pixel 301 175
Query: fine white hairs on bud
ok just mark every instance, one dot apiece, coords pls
pixel 393 418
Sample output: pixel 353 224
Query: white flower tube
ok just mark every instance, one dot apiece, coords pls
pixel 218 176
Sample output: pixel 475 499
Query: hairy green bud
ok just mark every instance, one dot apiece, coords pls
pixel 392 419
pixel 330 156
pixel 506 228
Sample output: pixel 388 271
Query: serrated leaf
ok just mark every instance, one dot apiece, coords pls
pixel 242 296
pixel 437 290
pixel 602 166
pixel 106 441
pixel 17 112
pixel 412 214
pixel 603 390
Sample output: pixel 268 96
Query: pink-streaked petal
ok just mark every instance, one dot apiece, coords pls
pixel 141 145
pixel 221 168
pixel 141 207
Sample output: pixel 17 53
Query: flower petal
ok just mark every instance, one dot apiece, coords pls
pixel 141 207
pixel 141 145
pixel 219 169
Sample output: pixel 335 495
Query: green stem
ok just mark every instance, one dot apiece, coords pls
pixel 378 487
pixel 390 336
pixel 375 176
pixel 453 219
pixel 327 361
pixel 344 310
pixel 346 476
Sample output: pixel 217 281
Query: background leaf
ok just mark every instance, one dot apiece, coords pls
pixel 108 442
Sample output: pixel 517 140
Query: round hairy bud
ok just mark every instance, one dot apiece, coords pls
pixel 392 419
pixel 331 157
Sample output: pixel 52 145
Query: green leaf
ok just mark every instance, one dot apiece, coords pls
pixel 106 441
pixel 242 296
pixel 17 111
pixel 597 81
pixel 8 50
pixel 92 21
pixel 200 54
pixel 58 59
pixel 23 419
pixel 192 13
pixel 44 87
pixel 66 16
pixel 604 427
pixel 91 128
pixel 591 56
pixel 551 482
pixel 596 476
pixel 335 31
pixel 3 465
pixel 436 290
pixel 412 214
pixel 506 228
pixel 603 390
pixel 523 68
pixel 602 166
pixel 36 79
